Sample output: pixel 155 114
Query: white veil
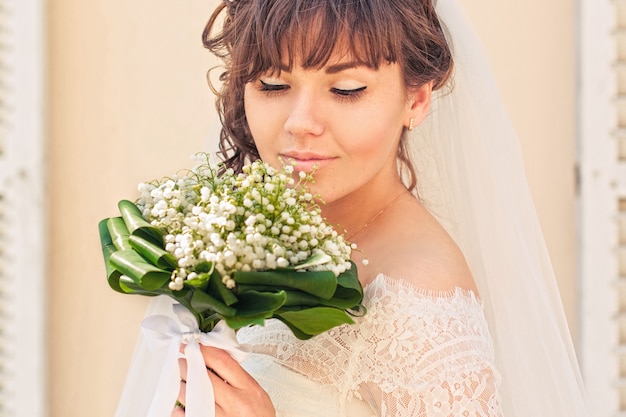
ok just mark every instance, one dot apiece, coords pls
pixel 471 176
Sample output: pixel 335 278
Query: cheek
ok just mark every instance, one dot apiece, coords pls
pixel 374 133
pixel 262 124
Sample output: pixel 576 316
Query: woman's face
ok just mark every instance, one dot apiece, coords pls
pixel 345 120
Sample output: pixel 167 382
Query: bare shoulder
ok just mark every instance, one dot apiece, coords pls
pixel 410 244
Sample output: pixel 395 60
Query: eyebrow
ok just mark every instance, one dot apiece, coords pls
pixel 334 69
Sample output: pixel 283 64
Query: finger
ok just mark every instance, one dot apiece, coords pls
pixel 219 411
pixel 220 386
pixel 224 395
pixel 178 412
pixel 225 367
pixel 182 364
pixel 182 392
pixel 179 408
pixel 230 401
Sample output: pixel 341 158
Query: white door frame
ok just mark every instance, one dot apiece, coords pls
pixel 22 231
pixel 600 190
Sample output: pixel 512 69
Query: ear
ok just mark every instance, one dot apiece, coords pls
pixel 418 103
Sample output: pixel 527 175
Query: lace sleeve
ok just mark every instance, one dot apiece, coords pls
pixel 414 354
pixel 431 355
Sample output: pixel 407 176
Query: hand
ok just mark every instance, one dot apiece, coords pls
pixel 237 394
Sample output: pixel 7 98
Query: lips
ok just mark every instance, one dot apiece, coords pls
pixel 307 161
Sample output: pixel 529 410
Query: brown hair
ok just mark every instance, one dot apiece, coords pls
pixel 255 34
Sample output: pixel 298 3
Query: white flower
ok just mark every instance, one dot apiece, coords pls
pixel 253 220
pixel 229 259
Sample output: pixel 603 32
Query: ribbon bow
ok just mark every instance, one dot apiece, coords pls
pixel 162 332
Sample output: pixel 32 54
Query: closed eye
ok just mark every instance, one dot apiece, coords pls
pixel 351 94
pixel 272 87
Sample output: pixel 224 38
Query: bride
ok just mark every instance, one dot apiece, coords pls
pixel 390 104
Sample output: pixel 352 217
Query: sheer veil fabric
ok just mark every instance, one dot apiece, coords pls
pixel 471 177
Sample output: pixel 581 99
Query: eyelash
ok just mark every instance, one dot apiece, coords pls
pixel 272 89
pixel 348 95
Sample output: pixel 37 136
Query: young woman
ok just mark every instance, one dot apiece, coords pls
pixel 347 88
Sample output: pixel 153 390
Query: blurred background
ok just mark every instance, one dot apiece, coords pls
pixel 99 95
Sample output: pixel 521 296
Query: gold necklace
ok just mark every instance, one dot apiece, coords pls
pixel 370 221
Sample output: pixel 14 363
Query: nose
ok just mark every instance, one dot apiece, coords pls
pixel 305 116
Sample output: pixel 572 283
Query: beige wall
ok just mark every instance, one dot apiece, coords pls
pixel 532 49
pixel 128 102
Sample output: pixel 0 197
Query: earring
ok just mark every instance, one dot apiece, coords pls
pixel 411 127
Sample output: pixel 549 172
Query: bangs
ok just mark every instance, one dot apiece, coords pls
pixel 255 37
pixel 310 32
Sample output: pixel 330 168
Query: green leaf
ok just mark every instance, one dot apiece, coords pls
pixel 344 299
pixel 350 279
pixel 299 298
pixel 237 322
pixel 146 275
pixel 137 225
pixel 319 283
pixel 313 321
pixel 201 302
pixel 349 293
pixel 206 324
pixel 205 266
pixel 113 275
pixel 114 281
pixel 253 302
pixel 119 233
pixel 315 260
pixel 219 290
pixel 154 254
pixel 297 332
pixel 201 282
pixel 242 288
pixel 255 307
pixel 128 286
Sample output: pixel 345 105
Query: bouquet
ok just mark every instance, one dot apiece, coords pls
pixel 234 250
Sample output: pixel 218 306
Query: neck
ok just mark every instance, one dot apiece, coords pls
pixel 352 213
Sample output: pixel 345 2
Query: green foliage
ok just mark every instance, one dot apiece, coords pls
pixel 308 302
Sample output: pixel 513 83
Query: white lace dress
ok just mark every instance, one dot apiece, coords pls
pixel 415 353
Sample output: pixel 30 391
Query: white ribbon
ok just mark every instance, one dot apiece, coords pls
pixel 162 332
